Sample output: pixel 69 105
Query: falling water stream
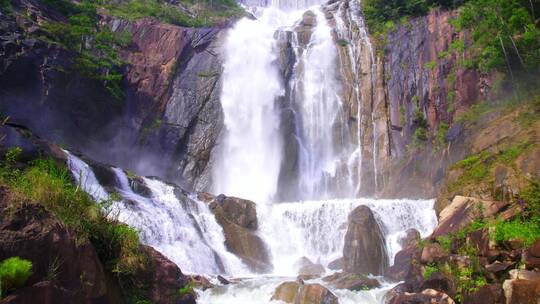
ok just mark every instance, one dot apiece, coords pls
pixel 249 158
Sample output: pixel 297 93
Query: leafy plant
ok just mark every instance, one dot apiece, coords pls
pixel 14 272
pixel 187 289
pixel 430 270
pixel 50 184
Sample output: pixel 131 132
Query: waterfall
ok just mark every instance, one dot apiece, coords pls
pixel 316 229
pixel 250 156
pixel 180 227
pixel 324 135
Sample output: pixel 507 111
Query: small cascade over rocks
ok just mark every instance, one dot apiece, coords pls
pixel 173 222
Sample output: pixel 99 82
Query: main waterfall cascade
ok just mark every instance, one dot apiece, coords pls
pixel 330 160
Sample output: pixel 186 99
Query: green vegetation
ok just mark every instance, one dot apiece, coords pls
pixel 505 34
pixel 430 269
pixel 378 12
pixel 187 289
pixel 50 184
pixel 14 272
pixel 440 136
pixel 430 65
pixel 477 168
pixel 5 5
pixel 96 47
pixel 421 131
pixel 207 12
pixel 527 227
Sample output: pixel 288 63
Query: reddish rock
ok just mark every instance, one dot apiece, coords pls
pixel 463 211
pixel 241 240
pixel 534 250
pixel 410 239
pixel 402 263
pixel 520 291
pixel 163 279
pixel 498 267
pixel 439 281
pixel 490 293
pixel 296 293
pixel 428 296
pixel 433 253
pixel 30 232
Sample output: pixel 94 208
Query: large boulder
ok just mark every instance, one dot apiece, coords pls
pixel 463 211
pixel 364 250
pixel 162 278
pixel 238 218
pixel 298 293
pixel 489 293
pixel 402 264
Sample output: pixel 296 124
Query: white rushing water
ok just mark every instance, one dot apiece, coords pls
pixel 185 231
pixel 251 140
pixel 320 107
pixel 316 229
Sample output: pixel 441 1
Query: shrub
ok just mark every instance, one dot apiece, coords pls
pixel 50 184
pixel 187 289
pixel 5 5
pixel 14 272
pixel 430 270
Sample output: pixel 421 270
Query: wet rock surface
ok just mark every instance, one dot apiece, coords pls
pixel 238 218
pixel 299 293
pixel 364 250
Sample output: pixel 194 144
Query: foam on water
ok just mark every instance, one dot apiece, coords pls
pixel 316 229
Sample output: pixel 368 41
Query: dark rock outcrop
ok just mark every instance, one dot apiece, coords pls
pixel 364 251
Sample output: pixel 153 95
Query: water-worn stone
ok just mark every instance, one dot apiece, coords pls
pixel 308 268
pixel 463 211
pixel 296 293
pixel 411 238
pixel 402 264
pixel 364 250
pixel 350 281
pixel 336 264
pixel 242 212
pixel 489 293
pixel 240 240
pixel 286 292
pixel 520 291
pixel 440 282
pixel 432 253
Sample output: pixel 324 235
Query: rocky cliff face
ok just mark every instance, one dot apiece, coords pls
pixel 174 84
pixel 170 119
pixel 417 74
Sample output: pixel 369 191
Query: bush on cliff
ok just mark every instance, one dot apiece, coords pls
pixel 50 184
pixel 14 272
pixel 95 47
